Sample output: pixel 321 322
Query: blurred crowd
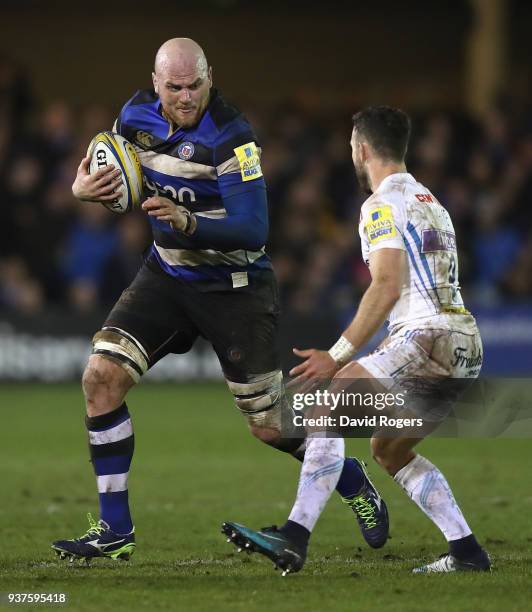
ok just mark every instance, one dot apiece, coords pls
pixel 56 252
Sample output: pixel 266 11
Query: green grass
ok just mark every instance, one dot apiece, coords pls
pixel 195 466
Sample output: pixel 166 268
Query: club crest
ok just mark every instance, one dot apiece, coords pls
pixel 185 150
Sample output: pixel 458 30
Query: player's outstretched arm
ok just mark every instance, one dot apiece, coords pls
pixel 97 187
pixel 388 268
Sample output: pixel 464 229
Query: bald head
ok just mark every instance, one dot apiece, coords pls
pixel 182 79
pixel 181 56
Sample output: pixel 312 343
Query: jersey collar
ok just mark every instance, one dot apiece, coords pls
pixel 396 177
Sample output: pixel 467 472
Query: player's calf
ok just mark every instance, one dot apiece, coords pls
pixel 392 454
pixel 427 487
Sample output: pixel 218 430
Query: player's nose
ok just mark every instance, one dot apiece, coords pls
pixel 185 96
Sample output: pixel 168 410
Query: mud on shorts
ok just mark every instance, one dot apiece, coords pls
pixel 433 362
pixel 166 315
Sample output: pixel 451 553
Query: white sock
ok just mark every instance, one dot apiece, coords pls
pixel 427 486
pixel 322 466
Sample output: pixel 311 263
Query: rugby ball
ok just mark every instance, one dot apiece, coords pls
pixel 109 148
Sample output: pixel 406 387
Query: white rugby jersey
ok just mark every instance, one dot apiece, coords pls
pixel 403 214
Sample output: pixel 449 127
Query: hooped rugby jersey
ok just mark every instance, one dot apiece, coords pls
pixel 196 168
pixel 403 214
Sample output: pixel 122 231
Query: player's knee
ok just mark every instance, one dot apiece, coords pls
pixel 262 401
pixel 104 385
pixel 259 400
pixel 256 397
pixel 122 349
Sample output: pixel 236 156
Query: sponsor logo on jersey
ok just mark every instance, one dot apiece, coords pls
pixel 143 138
pixel 424 197
pixel 437 240
pixel 185 150
pixel 249 160
pixel 380 225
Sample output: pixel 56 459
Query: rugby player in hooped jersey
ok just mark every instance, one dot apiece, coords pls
pixel 433 346
pixel 207 274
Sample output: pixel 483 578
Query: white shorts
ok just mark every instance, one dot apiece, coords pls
pixel 433 359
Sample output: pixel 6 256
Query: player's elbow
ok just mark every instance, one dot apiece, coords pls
pixel 256 236
pixel 393 293
pixel 389 290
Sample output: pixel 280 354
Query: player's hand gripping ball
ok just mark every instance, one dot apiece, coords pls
pixel 120 188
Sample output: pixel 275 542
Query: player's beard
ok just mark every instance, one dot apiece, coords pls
pixel 190 119
pixel 187 119
pixel 180 120
pixel 362 177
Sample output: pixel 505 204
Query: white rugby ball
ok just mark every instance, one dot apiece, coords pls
pixel 109 148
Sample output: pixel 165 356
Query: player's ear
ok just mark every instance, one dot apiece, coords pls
pixel 155 82
pixel 364 151
pixel 209 76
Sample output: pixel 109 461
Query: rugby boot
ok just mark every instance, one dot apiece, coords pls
pixel 98 541
pixel 447 563
pixel 286 555
pixel 371 512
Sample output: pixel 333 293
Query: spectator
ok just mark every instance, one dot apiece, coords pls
pixel 54 250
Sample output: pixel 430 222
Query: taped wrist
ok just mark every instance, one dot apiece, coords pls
pixel 342 351
pixel 189 226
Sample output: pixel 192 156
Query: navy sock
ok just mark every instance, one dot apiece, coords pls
pixel 111 444
pixel 296 532
pixel 352 478
pixel 464 548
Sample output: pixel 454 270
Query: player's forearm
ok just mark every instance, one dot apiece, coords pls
pixel 231 233
pixel 374 308
pixel 245 227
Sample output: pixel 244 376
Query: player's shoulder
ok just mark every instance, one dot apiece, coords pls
pixel 382 212
pixel 142 106
pixel 222 112
pixel 141 101
pixel 229 121
pixel 396 188
pixel 382 199
pixel 234 134
pixel 392 194
pixel 140 120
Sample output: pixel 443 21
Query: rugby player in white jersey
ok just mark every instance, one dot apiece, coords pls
pixel 408 241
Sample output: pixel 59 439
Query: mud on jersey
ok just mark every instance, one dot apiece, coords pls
pixel 403 214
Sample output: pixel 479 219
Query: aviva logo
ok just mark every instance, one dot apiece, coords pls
pixel 380 225
pixel 249 161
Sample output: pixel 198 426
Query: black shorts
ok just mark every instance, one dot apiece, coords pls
pixel 166 315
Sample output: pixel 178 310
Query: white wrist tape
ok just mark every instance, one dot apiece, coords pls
pixel 342 351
